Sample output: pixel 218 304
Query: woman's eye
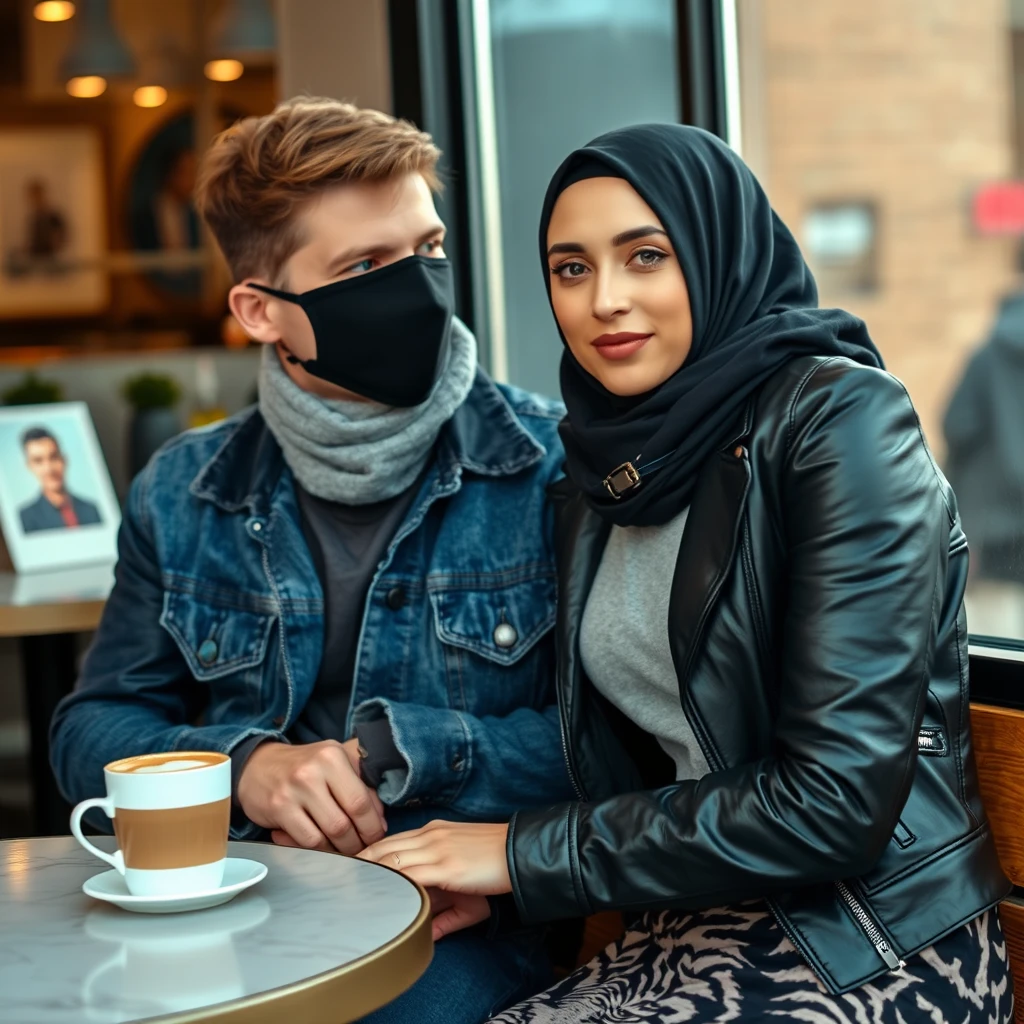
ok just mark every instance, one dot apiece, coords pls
pixel 432 248
pixel 648 258
pixel 569 271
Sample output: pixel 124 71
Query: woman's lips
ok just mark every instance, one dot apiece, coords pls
pixel 620 346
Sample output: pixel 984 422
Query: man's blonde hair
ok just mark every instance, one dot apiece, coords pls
pixel 262 171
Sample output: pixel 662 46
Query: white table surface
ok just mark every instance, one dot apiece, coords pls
pixel 56 586
pixel 67 958
pixel 60 601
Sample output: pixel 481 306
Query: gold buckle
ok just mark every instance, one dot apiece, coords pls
pixel 622 479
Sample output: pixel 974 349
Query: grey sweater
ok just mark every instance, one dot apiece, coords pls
pixel 624 642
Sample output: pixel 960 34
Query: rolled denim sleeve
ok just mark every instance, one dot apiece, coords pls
pixel 480 767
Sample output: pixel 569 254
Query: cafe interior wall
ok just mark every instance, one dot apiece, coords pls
pixel 143 328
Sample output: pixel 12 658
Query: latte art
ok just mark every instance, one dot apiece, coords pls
pixel 169 761
pixel 167 766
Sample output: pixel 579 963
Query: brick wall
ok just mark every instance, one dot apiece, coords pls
pixel 909 104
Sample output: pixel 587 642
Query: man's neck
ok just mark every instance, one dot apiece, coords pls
pixel 58 499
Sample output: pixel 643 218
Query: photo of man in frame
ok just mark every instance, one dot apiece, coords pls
pixel 56 508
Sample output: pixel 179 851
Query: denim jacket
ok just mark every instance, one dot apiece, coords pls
pixel 213 633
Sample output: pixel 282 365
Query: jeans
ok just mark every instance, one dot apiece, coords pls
pixel 470 979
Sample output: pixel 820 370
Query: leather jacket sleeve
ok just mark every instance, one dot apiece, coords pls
pixel 865 528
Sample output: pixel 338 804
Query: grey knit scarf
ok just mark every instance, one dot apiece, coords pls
pixel 358 453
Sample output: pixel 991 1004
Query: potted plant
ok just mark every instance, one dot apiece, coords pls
pixel 33 390
pixel 153 397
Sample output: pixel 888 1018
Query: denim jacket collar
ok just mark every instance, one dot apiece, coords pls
pixel 483 436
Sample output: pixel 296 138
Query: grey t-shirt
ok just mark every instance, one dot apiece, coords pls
pixel 624 643
pixel 347 543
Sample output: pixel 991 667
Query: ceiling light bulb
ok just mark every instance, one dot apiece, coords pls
pixel 54 10
pixel 223 70
pixel 87 87
pixel 150 96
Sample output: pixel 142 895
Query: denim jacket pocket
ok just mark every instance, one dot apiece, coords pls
pixel 215 640
pixel 500 622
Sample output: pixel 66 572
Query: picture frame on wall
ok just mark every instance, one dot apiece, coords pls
pixel 52 223
pixel 57 503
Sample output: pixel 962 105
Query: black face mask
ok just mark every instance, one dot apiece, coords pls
pixel 384 334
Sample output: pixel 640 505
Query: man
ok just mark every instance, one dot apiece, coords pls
pixel 56 508
pixel 351 588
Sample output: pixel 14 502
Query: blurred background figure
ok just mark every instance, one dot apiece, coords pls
pixel 44 237
pixel 47 227
pixel 984 430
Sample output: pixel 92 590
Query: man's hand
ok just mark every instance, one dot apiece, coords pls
pixel 311 796
pixel 453 911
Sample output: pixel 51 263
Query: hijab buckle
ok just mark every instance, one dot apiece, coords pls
pixel 621 480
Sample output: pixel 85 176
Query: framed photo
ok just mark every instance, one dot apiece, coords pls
pixel 52 223
pixel 57 504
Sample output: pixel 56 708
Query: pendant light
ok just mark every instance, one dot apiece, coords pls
pixel 163 66
pixel 53 10
pixel 248 36
pixel 97 53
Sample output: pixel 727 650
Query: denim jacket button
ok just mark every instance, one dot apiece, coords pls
pixel 279 721
pixel 395 598
pixel 207 652
pixel 505 635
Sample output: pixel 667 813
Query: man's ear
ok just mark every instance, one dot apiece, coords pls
pixel 250 308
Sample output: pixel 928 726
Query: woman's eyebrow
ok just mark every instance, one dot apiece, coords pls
pixel 634 233
pixel 565 247
pixel 620 239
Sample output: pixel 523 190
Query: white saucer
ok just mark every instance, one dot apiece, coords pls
pixel 239 874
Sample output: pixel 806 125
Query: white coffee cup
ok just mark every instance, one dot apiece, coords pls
pixel 171 814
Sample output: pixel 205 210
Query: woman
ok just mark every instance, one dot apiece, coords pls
pixel 762 569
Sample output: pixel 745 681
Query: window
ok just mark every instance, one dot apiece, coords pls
pixel 888 135
pixel 564 71
pixel 840 246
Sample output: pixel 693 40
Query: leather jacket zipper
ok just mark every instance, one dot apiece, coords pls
pixel 570 767
pixel 875 937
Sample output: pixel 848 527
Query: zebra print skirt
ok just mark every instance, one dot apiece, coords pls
pixel 735 963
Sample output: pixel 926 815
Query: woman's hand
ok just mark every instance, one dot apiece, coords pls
pixel 464 861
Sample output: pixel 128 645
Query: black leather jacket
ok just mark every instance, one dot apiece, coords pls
pixel 817 627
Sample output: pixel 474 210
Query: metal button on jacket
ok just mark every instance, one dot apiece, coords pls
pixel 395 598
pixel 208 652
pixel 505 635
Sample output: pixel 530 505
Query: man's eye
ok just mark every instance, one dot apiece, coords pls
pixel 432 247
pixel 362 267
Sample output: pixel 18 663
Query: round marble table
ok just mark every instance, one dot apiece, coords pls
pixel 321 938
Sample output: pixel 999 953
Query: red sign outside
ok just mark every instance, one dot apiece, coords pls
pixel 998 208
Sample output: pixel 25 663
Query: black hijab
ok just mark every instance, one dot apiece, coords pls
pixel 754 305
